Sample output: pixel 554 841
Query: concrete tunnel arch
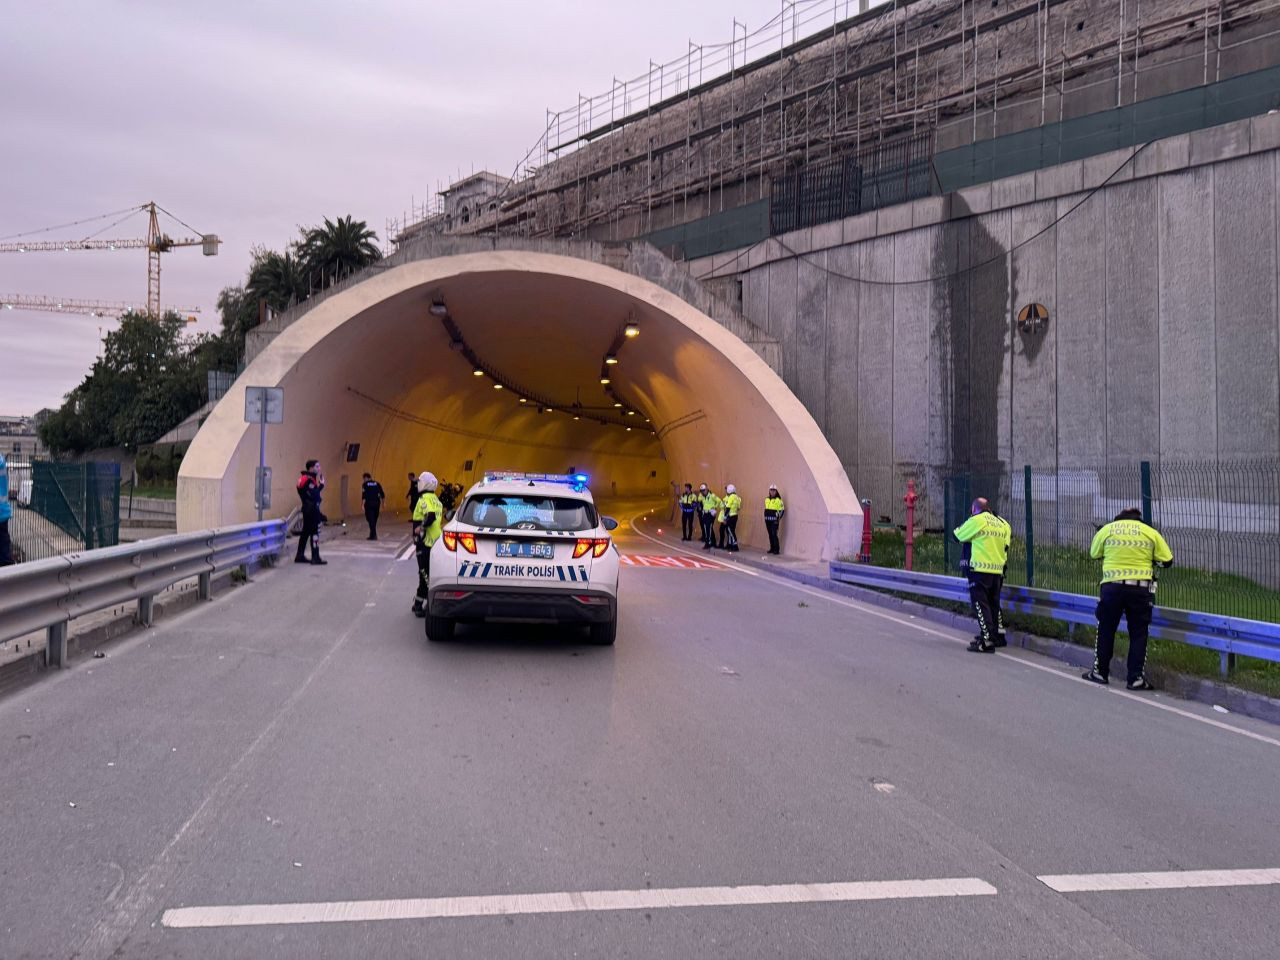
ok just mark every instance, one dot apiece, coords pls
pixel 370 365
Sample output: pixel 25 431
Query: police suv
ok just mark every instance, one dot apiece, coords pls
pixel 526 547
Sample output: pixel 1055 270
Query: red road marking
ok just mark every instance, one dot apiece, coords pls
pixel 669 563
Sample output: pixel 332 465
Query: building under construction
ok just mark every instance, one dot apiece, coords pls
pixel 827 112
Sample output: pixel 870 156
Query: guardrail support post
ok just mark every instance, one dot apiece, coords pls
pixel 205 586
pixel 146 610
pixel 1145 479
pixel 55 653
pixel 1226 663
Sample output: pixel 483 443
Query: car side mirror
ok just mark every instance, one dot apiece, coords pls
pixel 609 523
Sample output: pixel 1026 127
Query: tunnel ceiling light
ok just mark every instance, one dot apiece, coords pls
pixel 576 417
pixel 524 399
pixel 438 309
pixel 632 331
pixel 497 386
pixel 618 405
pixel 477 372
pixel 628 429
pixel 631 413
pixel 610 360
pixel 604 380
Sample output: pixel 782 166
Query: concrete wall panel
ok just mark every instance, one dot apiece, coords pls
pixel 1188 405
pixel 810 350
pixel 912 305
pixel 875 368
pixel 1079 332
pixel 1133 322
pixel 782 315
pixel 843 388
pixel 1033 393
pixel 1244 250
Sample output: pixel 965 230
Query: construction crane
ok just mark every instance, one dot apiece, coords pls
pixel 111 309
pixel 156 242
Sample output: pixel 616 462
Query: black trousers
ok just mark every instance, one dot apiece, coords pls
pixel 371 515
pixel 6 545
pixel 310 535
pixel 729 534
pixel 772 527
pixel 686 524
pixel 984 595
pixel 1135 604
pixel 708 529
pixel 424 571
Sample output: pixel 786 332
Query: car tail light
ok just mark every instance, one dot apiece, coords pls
pixel 582 547
pixel 598 547
pixel 468 541
pixel 590 601
pixel 450 541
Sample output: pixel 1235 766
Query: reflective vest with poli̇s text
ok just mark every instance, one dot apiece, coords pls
pixel 732 504
pixel 429 503
pixel 774 508
pixel 710 502
pixel 989 537
pixel 1127 549
pixel 688 502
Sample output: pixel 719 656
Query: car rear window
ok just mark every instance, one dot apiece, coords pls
pixel 527 511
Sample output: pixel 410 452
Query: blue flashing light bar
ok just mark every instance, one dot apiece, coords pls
pixel 576 480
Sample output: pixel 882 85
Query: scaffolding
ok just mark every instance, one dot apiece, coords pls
pixel 716 127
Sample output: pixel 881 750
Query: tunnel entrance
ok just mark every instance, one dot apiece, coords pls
pixel 522 360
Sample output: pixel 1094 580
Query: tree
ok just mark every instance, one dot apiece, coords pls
pixel 279 279
pixel 337 249
pixel 149 378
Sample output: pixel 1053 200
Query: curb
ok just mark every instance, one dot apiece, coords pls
pixel 1184 686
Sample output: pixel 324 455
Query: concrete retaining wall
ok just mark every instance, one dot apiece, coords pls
pixel 897 328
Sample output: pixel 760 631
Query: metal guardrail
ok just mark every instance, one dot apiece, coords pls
pixel 1227 635
pixel 49 594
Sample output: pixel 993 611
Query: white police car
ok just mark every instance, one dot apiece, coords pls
pixel 526 547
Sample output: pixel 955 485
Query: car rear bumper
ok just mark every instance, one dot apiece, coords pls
pixel 520 603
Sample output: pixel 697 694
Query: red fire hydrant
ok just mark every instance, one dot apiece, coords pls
pixel 910 501
pixel 864 556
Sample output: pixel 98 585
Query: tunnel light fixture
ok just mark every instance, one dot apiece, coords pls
pixel 617 405
pixel 477 372
pixel 631 331
pixel 524 399
pixel 576 417
pixel 610 359
pixel 604 380
pixel 628 429
pixel 438 309
pixel 631 413
pixel 497 386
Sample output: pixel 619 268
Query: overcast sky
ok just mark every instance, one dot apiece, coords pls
pixel 250 119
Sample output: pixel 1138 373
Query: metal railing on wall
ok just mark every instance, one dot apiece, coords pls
pixel 49 594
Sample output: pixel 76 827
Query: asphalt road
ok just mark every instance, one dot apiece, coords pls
pixel 298 742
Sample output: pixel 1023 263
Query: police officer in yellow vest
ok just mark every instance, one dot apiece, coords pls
pixel 731 506
pixel 428 517
pixel 709 504
pixel 1130 550
pixel 688 509
pixel 988 537
pixel 774 508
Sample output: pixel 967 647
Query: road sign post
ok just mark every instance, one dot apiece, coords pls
pixel 263 405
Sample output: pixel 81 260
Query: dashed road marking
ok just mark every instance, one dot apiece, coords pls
pixel 1162 880
pixel 361 911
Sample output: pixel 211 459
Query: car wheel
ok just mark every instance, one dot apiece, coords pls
pixel 439 629
pixel 603 634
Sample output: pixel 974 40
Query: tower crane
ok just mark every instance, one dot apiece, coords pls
pixel 155 243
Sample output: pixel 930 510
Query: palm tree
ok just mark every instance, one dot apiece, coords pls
pixel 336 250
pixel 279 279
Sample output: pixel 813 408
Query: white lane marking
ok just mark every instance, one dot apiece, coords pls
pixel 356 911
pixel 1163 880
pixel 405 554
pixel 1053 671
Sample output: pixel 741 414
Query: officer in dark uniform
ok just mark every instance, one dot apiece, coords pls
pixel 688 507
pixel 310 486
pixel 372 494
